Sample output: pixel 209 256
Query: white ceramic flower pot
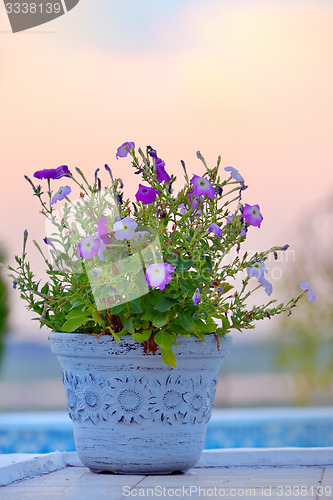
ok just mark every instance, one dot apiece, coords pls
pixel 131 413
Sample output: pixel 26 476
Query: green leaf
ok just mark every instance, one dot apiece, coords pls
pixel 96 318
pixel 184 265
pixel 209 263
pixel 200 335
pixel 165 304
pixel 142 336
pixel 221 331
pixel 226 287
pixel 75 302
pixel 128 325
pixel 117 309
pixel 203 327
pixel 77 313
pixel 164 339
pixel 176 327
pixel 225 322
pixel 135 307
pixel 74 323
pixel 114 335
pixel 159 320
pixel 187 321
pixel 168 357
pixel 148 314
pixel 45 289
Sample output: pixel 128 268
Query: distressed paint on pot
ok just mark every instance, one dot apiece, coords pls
pixel 131 413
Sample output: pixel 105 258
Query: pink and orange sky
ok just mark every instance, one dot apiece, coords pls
pixel 250 80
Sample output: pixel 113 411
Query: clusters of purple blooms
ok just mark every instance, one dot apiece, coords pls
pixel 158 275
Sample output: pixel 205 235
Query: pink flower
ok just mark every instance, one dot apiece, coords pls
pixel 159 275
pixel 252 215
pixel 202 186
pixel 89 247
pixel 146 194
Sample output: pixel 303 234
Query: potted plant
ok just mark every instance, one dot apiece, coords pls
pixel 140 298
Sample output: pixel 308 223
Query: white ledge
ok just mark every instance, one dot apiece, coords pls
pixel 263 457
pixel 25 466
pixel 16 467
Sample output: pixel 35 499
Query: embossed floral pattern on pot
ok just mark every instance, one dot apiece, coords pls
pixel 169 402
pixel 130 399
pixel 198 398
pixel 87 397
pixel 94 399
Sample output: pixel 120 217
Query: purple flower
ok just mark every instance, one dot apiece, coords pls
pixel 162 175
pixel 146 194
pixel 14 284
pixel 252 215
pixel 89 247
pixel 53 173
pixel 202 186
pixel 235 174
pixel 61 194
pixel 108 169
pixel 311 293
pixel 182 209
pixel 101 250
pixel 124 149
pixel 194 203
pixel 258 270
pixel 267 286
pixel 152 152
pixel 124 229
pixel 95 272
pixel 47 241
pixel 196 296
pixel 159 275
pixel 102 230
pixel 216 230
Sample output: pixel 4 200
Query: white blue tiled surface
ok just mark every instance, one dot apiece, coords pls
pixel 276 427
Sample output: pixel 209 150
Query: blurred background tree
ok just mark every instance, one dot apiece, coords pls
pixel 306 337
pixel 3 311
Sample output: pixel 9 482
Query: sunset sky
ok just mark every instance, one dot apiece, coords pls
pixel 250 80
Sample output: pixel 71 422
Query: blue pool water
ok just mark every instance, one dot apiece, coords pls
pixel 278 427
